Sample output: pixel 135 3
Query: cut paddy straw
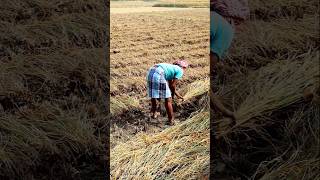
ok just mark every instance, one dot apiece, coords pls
pixel 275 87
pixel 179 152
pixel 122 103
pixel 182 151
pixel 301 160
pixel 196 88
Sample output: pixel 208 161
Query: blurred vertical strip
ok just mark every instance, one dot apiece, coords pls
pixel 54 89
pixel 269 80
pixel 107 57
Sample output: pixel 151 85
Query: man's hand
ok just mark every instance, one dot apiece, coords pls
pixel 172 85
pixel 179 96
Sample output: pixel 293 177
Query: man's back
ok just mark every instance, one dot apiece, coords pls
pixel 171 71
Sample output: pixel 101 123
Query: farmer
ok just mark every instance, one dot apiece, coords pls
pixel 225 15
pixel 161 82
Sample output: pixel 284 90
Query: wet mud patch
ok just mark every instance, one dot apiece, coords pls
pixel 135 120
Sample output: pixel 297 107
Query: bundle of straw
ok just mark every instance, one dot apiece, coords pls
pixel 303 169
pixel 298 155
pixel 179 152
pixel 275 87
pixel 276 8
pixel 279 39
pixel 196 88
pixel 122 103
pixel 28 139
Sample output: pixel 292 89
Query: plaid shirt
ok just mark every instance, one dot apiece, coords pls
pixel 233 11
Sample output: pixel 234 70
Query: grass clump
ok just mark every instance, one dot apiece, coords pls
pixel 195 89
pixel 120 104
pixel 275 87
pixel 179 152
pixel 35 137
pixel 52 89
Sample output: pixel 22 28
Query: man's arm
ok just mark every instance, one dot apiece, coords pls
pixel 178 95
pixel 172 85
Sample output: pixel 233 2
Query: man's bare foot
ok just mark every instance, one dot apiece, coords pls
pixel 155 115
pixel 171 122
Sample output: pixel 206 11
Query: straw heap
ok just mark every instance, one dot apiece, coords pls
pixel 196 88
pixel 275 87
pixel 179 152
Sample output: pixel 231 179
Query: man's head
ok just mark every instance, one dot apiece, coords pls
pixel 182 63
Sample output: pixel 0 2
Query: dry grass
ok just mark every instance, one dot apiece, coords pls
pixel 275 59
pixel 131 4
pixel 195 89
pixel 273 9
pixel 274 88
pixel 37 135
pixel 120 104
pixel 137 45
pixel 299 158
pixel 178 152
pixel 271 104
pixel 183 3
pixel 68 31
pixel 152 156
pixel 280 39
pixel 52 89
pixel 160 3
pixel 22 12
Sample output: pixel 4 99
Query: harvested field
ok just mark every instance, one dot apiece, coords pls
pixel 130 4
pixel 183 3
pixel 170 4
pixel 129 10
pixel 136 46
